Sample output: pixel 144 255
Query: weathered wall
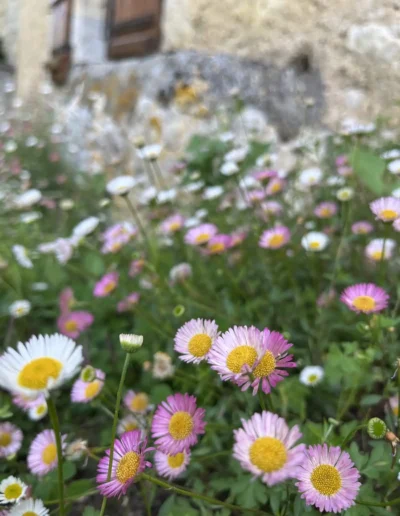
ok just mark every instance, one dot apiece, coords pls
pixel 355 44
pixel 9 13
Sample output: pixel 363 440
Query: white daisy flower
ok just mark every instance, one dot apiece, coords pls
pixel 213 192
pixel 38 412
pixel 21 255
pixel 12 489
pixel 166 195
pixel 10 146
pixel 28 198
pixel 226 137
pixel 237 155
pixel 31 141
pixel 120 185
pixel 314 241
pixel 86 226
pixel 19 308
pixel 30 216
pixel 396 193
pixel 67 204
pixel 63 250
pixel 42 364
pixel 29 507
pixel 148 195
pixel 150 152
pixel 391 154
pixel 335 181
pixel 162 366
pixel 229 168
pixel 345 194
pixel 311 375
pixel 394 167
pixel 193 187
pixel 309 177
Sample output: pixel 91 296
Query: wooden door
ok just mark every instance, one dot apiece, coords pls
pixel 133 27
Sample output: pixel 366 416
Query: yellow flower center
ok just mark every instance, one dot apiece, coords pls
pixel 325 212
pixel 326 479
pixel 140 402
pixel 395 410
pixel 41 409
pixel 37 373
pixel 240 356
pixel 217 247
pixel 127 467
pixel 268 454
pixel 116 246
pixel 200 344
pixel 12 492
pixel 130 426
pixel 20 310
pixel 92 389
pixel 364 303
pixel 377 255
pixel 275 188
pixel 176 461
pixel 276 240
pixel 30 513
pixel 388 214
pixel 174 226
pixel 266 366
pixel 202 238
pixel 180 425
pixel 314 245
pixel 312 378
pixel 71 325
pixel 49 454
pixel 5 439
pixel 109 287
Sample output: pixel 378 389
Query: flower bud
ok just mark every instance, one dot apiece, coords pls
pixel 76 450
pixel 130 342
pixel 376 428
pixel 88 374
pixel 178 311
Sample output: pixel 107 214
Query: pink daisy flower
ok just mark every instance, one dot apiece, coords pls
pixel 171 466
pixel 265 446
pixel 365 297
pixel 237 237
pixel 129 302
pixel 262 175
pixel 345 171
pixel 271 207
pixel 84 392
pixel 250 357
pixel 136 267
pixel 28 402
pixel 396 225
pixel 106 285
pixel 177 423
pixel 72 324
pixel 194 340
pixel 201 234
pixel 256 196
pixel 129 460
pixel 341 160
pixel 66 300
pixel 275 186
pixel 386 208
pixel 42 456
pixel 362 227
pixel 275 238
pixel 325 210
pixel 326 298
pixel 122 231
pixel 328 479
pixel 219 244
pixel 172 224
pixel 10 439
pixel 380 249
pixel 137 402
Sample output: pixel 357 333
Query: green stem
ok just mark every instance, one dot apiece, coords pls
pixel 382 264
pixel 213 455
pixel 56 427
pixel 396 501
pixel 73 498
pixel 398 401
pixel 114 426
pixel 145 498
pixel 136 218
pixel 261 399
pixel 191 494
pixel 350 435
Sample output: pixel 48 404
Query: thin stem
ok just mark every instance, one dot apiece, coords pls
pixel 145 498
pixel 350 435
pixel 72 498
pixel 261 399
pixel 382 264
pixel 191 494
pixel 396 501
pixel 213 455
pixel 158 172
pixel 114 426
pixel 398 401
pixel 56 427
pixel 136 217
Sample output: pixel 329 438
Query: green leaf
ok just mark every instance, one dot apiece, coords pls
pixel 69 470
pixel 160 392
pixel 79 487
pixel 369 169
pixel 90 511
pixel 94 264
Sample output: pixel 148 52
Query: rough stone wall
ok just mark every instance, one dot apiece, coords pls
pixel 355 44
pixel 9 14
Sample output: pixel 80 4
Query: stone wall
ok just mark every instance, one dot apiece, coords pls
pixel 355 44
